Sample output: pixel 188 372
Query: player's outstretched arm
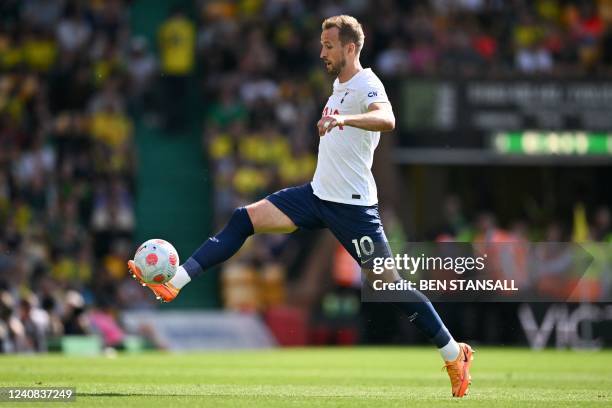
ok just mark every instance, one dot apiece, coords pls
pixel 378 118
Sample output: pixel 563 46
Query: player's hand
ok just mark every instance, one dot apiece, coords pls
pixel 327 123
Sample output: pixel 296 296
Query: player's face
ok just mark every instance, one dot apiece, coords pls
pixel 332 51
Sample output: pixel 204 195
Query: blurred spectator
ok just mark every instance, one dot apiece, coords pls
pixel 226 110
pixel 460 55
pixel 531 56
pixel 35 323
pixel 104 322
pixel 73 30
pixel 394 60
pixel 534 58
pixel 587 28
pixel 423 56
pixel 141 71
pixel 177 46
pixel 113 210
pixel 74 319
pixel 42 14
pixel 55 327
pixel 12 333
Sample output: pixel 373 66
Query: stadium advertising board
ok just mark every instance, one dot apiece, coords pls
pixel 436 111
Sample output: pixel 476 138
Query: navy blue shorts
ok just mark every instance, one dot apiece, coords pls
pixel 358 228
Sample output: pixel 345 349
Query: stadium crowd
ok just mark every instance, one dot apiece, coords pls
pixel 66 168
pixel 72 77
pixel 260 66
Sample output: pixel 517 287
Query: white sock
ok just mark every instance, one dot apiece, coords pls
pixel 450 352
pixel 181 278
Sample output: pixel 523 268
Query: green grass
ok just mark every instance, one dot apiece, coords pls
pixel 327 377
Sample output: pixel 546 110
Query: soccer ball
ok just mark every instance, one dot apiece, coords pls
pixel 157 260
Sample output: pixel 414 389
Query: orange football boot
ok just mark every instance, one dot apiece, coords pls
pixel 459 370
pixel 166 292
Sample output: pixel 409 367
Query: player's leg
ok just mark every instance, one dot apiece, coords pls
pixel 267 218
pixel 359 238
pixel 360 231
pixel 281 212
pixel 259 217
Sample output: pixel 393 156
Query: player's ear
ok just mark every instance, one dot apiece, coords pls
pixel 352 48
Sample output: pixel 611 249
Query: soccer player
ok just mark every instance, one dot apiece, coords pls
pixel 342 195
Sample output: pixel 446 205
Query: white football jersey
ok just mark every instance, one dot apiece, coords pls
pixel 344 167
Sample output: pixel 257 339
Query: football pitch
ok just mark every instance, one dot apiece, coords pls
pixel 326 377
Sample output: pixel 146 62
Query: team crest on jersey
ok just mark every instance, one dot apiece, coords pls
pixel 342 100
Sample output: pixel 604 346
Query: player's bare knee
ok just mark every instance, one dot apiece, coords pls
pixel 255 214
pixel 265 217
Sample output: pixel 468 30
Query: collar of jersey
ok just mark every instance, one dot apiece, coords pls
pixel 339 85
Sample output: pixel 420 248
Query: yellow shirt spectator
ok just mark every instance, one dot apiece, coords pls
pixel 39 53
pixel 10 54
pixel 526 35
pixel 23 218
pixel 115 266
pixel 103 69
pixel 264 150
pixel 248 180
pixel 177 45
pixel 250 8
pixel 221 146
pixel 114 129
pixel 11 57
pixel 278 149
pixel 252 148
pixel 68 269
pixel 297 169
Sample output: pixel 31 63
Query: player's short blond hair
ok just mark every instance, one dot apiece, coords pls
pixel 349 30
